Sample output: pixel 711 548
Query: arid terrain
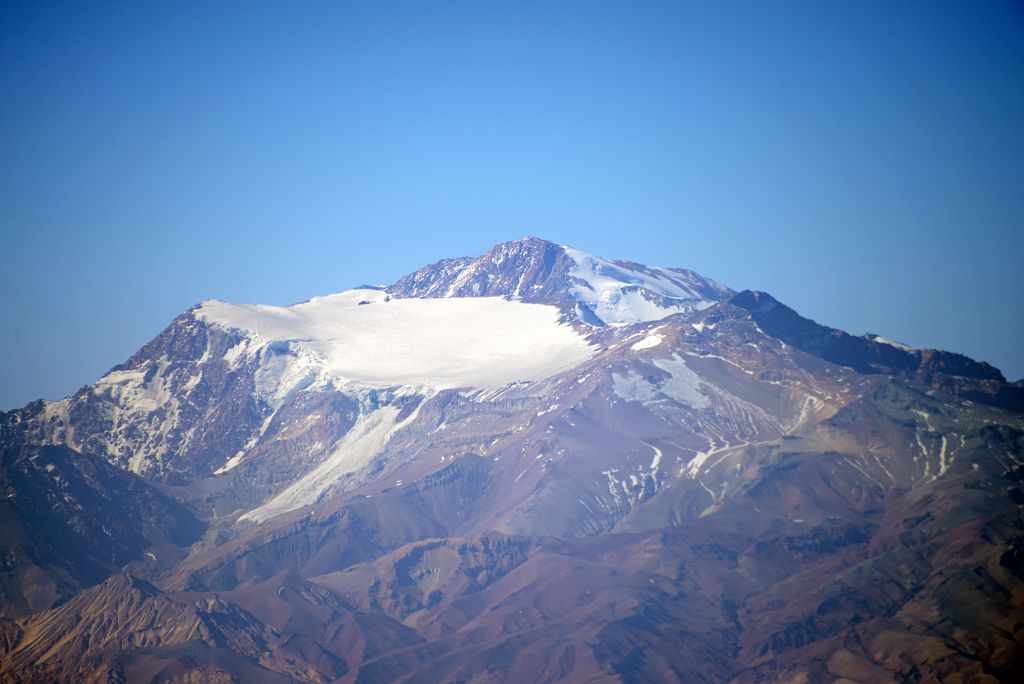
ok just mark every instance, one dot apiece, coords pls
pixel 536 465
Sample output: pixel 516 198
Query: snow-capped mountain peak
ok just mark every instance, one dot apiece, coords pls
pixel 385 474
pixel 604 291
pixel 621 292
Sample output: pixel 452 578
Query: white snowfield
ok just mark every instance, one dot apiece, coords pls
pixel 621 295
pixel 366 338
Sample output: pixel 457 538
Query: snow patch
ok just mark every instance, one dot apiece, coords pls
pixel 657 457
pixel 652 340
pixel 237 458
pixel 633 387
pixel 891 343
pixel 236 353
pixel 129 388
pixel 683 385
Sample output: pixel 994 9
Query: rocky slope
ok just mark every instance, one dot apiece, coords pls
pixel 68 520
pixel 535 464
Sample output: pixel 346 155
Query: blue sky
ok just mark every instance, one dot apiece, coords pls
pixel 863 162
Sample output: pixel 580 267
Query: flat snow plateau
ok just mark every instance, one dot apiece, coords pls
pixel 364 337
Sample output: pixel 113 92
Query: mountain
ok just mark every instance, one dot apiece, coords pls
pixel 70 520
pixel 533 464
pixel 127 629
pixel 952 373
pixel 535 270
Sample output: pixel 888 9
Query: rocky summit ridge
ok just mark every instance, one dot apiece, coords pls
pixel 535 464
pixel 536 270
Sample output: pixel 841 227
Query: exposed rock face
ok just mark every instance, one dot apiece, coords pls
pixel 603 291
pixel 68 520
pixel 530 268
pixel 705 487
pixel 951 373
pixel 169 411
pixel 127 626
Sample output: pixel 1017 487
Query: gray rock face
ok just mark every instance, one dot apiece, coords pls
pixel 718 490
pixel 69 520
pixel 168 412
pixel 529 268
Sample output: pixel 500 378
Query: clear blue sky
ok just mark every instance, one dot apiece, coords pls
pixel 861 161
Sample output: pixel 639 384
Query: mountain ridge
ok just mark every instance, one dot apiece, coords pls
pixel 537 270
pixel 715 491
